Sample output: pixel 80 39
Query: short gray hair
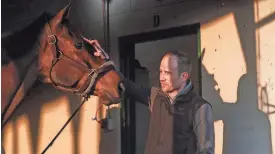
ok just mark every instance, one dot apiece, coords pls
pixel 184 63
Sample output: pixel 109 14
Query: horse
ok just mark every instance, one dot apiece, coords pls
pixel 51 51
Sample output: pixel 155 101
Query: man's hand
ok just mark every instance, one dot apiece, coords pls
pixel 98 52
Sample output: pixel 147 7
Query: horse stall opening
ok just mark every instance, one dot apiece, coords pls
pixel 140 56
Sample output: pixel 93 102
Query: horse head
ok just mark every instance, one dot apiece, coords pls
pixel 68 62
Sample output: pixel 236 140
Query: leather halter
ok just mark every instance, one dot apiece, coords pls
pixel 90 74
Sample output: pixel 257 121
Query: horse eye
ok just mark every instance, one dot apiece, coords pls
pixel 78 45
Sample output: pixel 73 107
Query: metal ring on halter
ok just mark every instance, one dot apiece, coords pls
pixel 51 39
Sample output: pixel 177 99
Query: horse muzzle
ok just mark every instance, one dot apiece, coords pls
pixel 121 91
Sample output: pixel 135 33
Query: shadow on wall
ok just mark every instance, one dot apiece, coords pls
pixel 17 14
pixel 246 128
pixel 37 120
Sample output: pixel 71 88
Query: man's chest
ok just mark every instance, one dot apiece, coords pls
pixel 178 115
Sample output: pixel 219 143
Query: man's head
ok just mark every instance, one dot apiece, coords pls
pixel 175 69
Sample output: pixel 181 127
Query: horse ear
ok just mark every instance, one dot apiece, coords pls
pixel 63 14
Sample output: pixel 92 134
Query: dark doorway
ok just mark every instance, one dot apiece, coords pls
pixel 140 55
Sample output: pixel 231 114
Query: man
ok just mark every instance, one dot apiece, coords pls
pixel 181 121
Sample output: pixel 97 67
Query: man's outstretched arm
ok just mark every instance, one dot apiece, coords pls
pixel 203 126
pixel 136 91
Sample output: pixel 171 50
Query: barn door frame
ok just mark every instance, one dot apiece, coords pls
pixel 127 56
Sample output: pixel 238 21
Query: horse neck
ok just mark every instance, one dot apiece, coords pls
pixel 19 69
pixel 17 78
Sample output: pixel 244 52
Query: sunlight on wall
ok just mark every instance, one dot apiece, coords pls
pixel 24 140
pixel 53 117
pixel 52 109
pixel 17 139
pixel 218 136
pixel 89 135
pixel 223 55
pixel 266 59
pixel 9 139
pixel 265 42
pixel 263 9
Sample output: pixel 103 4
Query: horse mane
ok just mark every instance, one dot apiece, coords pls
pixel 24 41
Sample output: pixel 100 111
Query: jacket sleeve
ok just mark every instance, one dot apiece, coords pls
pixel 203 126
pixel 140 93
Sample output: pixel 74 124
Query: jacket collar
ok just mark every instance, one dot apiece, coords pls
pixel 184 94
pixel 186 89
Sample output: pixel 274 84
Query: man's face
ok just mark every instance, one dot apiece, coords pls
pixel 170 79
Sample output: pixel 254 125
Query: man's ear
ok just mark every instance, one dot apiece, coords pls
pixel 184 76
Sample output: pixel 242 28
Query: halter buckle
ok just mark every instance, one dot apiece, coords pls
pixel 51 39
pixel 92 72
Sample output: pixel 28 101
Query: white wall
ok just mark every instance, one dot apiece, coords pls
pixel 237 37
